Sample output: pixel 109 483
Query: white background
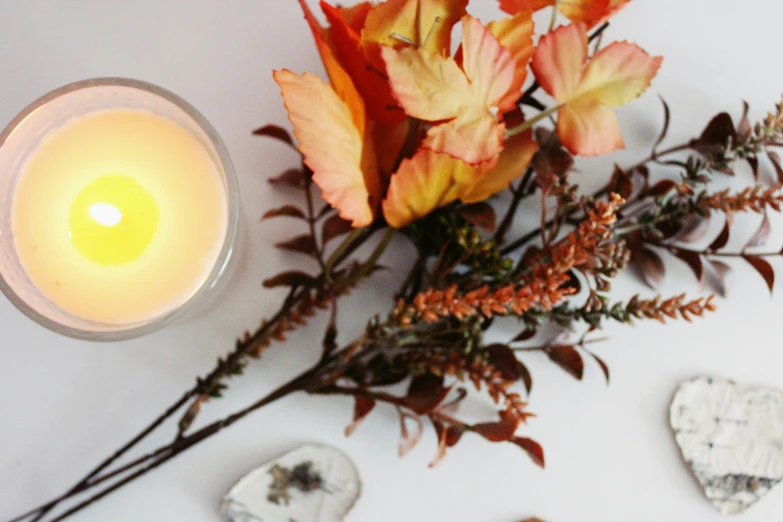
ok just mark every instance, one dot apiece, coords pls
pixel 65 404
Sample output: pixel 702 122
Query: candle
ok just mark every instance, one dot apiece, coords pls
pixel 120 214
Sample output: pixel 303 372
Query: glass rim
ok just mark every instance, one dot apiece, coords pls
pixel 232 191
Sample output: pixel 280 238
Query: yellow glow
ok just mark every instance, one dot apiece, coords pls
pixel 113 220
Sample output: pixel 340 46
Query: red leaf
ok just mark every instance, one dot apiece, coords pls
pixel 276 132
pixel 333 227
pixel 722 274
pixel 481 215
pixel 651 266
pixel 425 393
pixel 763 268
pixel 499 431
pixel 524 335
pixel 693 230
pixel 723 237
pixel 303 244
pixel 532 448
pixel 718 131
pixel 567 358
pixel 620 183
pixel 292 177
pixel 743 127
pixel 526 377
pixel 660 188
pixel 292 278
pixel 409 440
pixel 753 161
pixel 448 436
pixel 761 235
pixel 693 260
pixel 285 210
pixel 503 359
pixel 361 408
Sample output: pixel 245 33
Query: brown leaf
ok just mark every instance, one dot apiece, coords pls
pixel 285 210
pixel 722 274
pixel 666 120
pixel 763 268
pixel 532 448
pixel 448 436
pixel 573 283
pixel 362 407
pixel 723 237
pixel 761 235
pixel 753 161
pixel 692 231
pixel 275 132
pixel 292 278
pixel 502 358
pixel 501 430
pixel 693 260
pixel 718 131
pixel 602 364
pixel 292 177
pixel 651 266
pixel 407 439
pixel 620 183
pixel 527 379
pixel 481 215
pixel 775 159
pixel 425 393
pixel 567 358
pixel 303 244
pixel 333 227
pixel 743 127
pixel 524 335
pixel 660 188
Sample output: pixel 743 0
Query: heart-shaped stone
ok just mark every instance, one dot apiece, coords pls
pixel 313 483
pixel 732 438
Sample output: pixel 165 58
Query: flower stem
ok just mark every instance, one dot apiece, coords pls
pixel 532 121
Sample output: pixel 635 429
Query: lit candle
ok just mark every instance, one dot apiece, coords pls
pixel 119 215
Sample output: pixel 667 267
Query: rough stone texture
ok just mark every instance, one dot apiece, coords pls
pixel 732 438
pixel 326 494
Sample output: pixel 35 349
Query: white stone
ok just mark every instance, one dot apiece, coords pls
pixel 329 501
pixel 732 438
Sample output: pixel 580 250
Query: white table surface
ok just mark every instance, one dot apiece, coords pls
pixel 65 404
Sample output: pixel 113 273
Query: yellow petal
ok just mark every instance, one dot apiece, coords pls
pixel 332 146
pixel 426 23
pixel 426 181
pixel 515 158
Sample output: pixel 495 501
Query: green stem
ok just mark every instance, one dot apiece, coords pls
pixel 376 254
pixel 532 121
pixel 338 252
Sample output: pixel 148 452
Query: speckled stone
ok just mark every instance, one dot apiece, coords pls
pixel 324 489
pixel 732 438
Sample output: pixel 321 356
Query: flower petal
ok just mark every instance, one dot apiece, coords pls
pixel 332 146
pixel 515 158
pixel 426 181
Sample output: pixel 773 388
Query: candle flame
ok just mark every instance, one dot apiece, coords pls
pixel 105 214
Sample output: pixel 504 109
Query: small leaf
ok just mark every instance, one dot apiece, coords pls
pixel 753 161
pixel 524 335
pixel 620 183
pixel 660 188
pixel 329 342
pixel 718 131
pixel 448 436
pixel 481 215
pixel 651 266
pixel 761 235
pixel 602 364
pixel 333 227
pixel 499 431
pixel 693 260
pixel 407 439
pixel 362 407
pixel 743 127
pixel 504 360
pixel 425 393
pixel 285 210
pixel 775 159
pixel 275 132
pixel 723 237
pixel 573 283
pixel 693 230
pixel 292 278
pixel 666 121
pixel 567 358
pixel 763 268
pixel 292 177
pixel 527 379
pixel 532 448
pixel 722 274
pixel 303 244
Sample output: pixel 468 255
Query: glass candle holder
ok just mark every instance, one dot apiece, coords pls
pixel 121 216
